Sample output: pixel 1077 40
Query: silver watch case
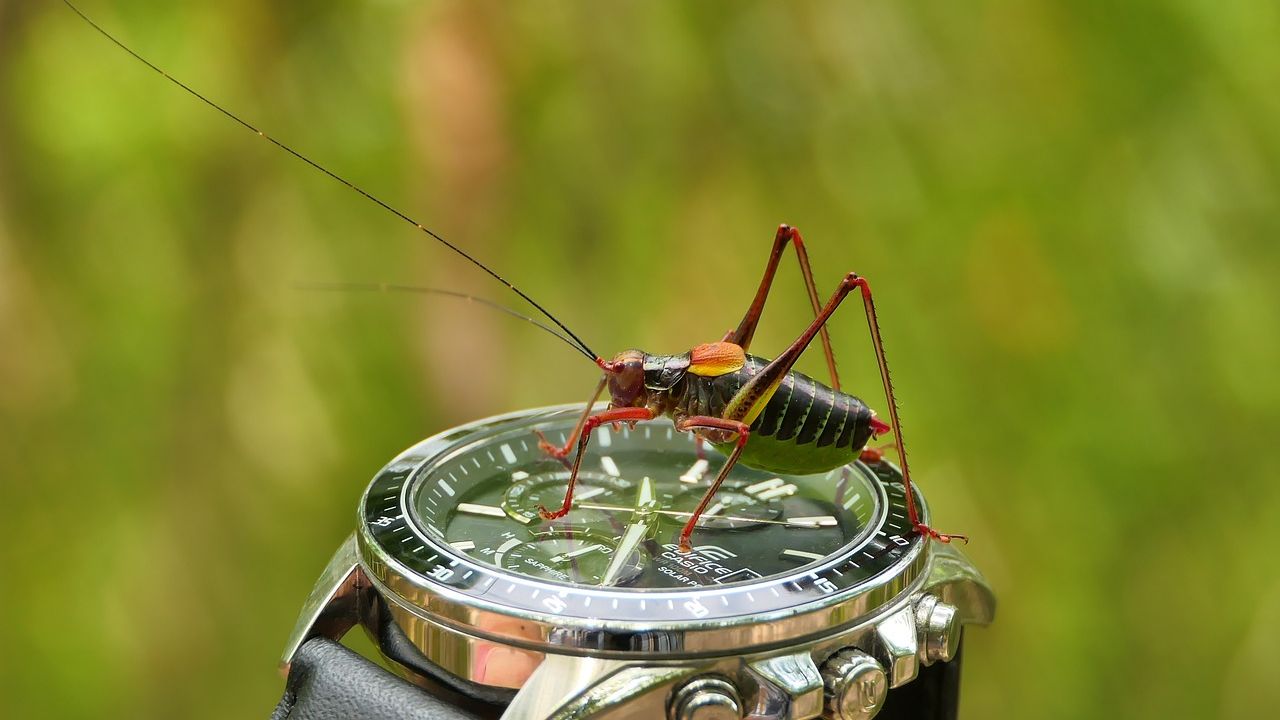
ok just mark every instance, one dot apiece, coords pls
pixel 770 664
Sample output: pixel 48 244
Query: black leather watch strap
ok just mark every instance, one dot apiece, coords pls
pixel 328 681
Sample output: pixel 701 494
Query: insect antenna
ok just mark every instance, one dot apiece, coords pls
pixel 392 288
pixel 573 338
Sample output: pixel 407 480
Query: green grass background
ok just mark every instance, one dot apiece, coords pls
pixel 1068 211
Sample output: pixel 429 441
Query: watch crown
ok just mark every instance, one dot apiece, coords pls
pixel 855 684
pixel 939 630
pixel 706 698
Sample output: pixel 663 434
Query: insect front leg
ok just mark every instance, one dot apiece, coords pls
pixel 747 328
pixel 632 414
pixel 560 453
pixel 696 422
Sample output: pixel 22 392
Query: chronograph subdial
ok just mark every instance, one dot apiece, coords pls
pixel 527 494
pixel 562 554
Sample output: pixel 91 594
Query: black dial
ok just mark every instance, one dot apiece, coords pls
pixel 460 510
pixel 638 488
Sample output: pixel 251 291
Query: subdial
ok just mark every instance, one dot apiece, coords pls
pixel 523 498
pixel 735 506
pixel 565 555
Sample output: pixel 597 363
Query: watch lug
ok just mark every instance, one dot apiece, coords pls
pixel 568 688
pixel 896 646
pixel 955 580
pixel 799 681
pixel 332 608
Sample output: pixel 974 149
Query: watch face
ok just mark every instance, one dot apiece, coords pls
pixel 462 511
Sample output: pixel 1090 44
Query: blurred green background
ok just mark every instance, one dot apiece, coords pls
pixel 1068 210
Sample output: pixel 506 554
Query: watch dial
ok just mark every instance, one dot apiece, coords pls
pixel 637 488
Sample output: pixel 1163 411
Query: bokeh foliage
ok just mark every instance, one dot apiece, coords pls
pixel 1068 211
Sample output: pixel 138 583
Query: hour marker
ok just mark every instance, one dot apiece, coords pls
pixel 801 554
pixel 849 503
pixel 463 545
pixel 695 473
pixel 507 453
pixel 445 486
pixel 777 492
pixel 589 493
pixel 519 475
pixel 609 466
pixel 711 511
pixel 764 485
pixel 813 521
pixel 474 509
pixel 604 438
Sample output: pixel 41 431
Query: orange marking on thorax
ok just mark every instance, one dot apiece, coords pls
pixel 717 358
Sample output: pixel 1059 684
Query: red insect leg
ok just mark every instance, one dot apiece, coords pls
pixel 747 328
pixel 850 282
pixel 608 416
pixel 560 453
pixel 713 423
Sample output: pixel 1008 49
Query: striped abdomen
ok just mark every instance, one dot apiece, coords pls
pixel 806 427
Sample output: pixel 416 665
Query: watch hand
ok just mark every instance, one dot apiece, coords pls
pixel 634 534
pixel 805 522
pixel 645 497
pixel 641 520
pixel 580 551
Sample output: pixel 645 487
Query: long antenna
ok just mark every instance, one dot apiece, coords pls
pixel 390 288
pixel 576 340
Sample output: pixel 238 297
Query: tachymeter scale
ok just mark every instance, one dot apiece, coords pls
pixel 637 489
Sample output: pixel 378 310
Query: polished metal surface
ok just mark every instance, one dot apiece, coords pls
pixel 956 581
pixel 569 688
pixel 588 666
pixel 619 639
pixel 939 630
pixel 332 607
pixel 797 682
pixel 896 646
pixel 511 650
pixel 706 698
pixel 489 617
pixel 774 683
pixel 856 685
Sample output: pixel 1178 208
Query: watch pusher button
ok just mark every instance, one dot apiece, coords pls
pixel 706 698
pixel 855 684
pixel 939 630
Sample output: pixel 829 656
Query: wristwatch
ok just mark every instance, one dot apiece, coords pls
pixel 803 596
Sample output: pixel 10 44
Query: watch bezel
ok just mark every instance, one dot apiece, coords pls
pixel 803 606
